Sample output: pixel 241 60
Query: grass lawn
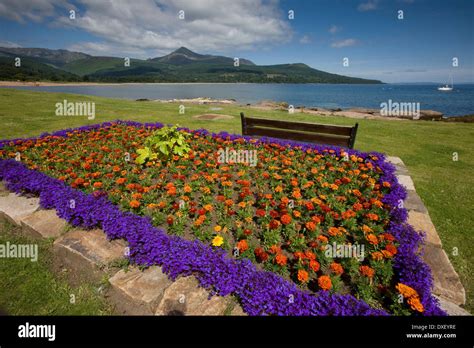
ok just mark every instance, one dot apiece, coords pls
pixel 30 288
pixel 445 186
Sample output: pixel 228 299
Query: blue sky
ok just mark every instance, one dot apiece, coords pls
pixel 418 48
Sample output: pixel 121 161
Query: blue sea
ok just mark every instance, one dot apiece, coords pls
pixel 458 102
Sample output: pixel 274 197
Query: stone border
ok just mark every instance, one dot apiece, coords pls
pixel 446 283
pixel 88 255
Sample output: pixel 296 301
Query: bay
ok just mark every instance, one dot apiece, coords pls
pixel 458 102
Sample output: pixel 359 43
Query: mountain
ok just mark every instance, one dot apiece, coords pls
pixel 44 55
pixel 181 65
pixel 185 56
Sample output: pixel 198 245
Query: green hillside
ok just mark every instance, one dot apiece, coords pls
pixel 181 65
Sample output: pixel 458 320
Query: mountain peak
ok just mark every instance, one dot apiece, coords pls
pixel 184 50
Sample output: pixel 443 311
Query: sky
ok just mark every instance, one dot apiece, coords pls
pixel 369 35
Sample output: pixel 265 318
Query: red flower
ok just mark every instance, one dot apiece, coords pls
pixel 274 224
pixel 285 219
pixel 260 213
pixel 261 255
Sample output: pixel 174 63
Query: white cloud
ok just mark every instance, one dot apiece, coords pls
pixel 9 44
pixel 344 43
pixel 152 27
pixel 305 39
pixel 370 5
pixel 334 29
pixel 36 11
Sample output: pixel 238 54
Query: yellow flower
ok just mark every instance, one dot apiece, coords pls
pixel 217 241
pixel 217 228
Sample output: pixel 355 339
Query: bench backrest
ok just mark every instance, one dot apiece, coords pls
pixel 300 131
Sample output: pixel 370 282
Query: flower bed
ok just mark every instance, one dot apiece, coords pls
pixel 267 231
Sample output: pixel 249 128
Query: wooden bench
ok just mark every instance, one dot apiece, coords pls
pixel 300 131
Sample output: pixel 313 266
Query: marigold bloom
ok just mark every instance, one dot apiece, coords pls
pixel 260 213
pixel 377 255
pixel 217 241
pixel 303 276
pixel 323 239
pixel 372 239
pixel 134 204
pixel 392 249
pixel 242 245
pixel 336 268
pixel 367 271
pixel 324 282
pixel 217 228
pixel 310 225
pixel 98 184
pixel 120 181
pixel 285 219
pixel 187 189
pixel 261 254
pixel 314 265
pixel 274 224
pixel 281 259
pixel 274 249
pixel 415 304
pixel 405 290
pixel 334 231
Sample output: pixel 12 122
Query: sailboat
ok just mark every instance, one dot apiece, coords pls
pixel 446 87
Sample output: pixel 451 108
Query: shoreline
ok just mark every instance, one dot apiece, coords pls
pixel 59 84
pixel 350 112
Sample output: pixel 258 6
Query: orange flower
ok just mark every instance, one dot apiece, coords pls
pixel 323 239
pixel 373 217
pixel 392 249
pixel 336 268
pixel 310 225
pixel 366 229
pixel 296 213
pixel 387 254
pixel 281 259
pixel 372 238
pixel 137 196
pixel 415 304
pixel 187 189
pixel 274 249
pixel 242 245
pixel 367 271
pixel 334 231
pixel 314 265
pixel 120 181
pixel 324 282
pixel 134 204
pixel 97 184
pixel 405 290
pixel 285 219
pixel 377 255
pixel 303 276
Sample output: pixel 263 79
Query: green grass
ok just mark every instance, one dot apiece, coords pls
pixel 445 186
pixel 30 288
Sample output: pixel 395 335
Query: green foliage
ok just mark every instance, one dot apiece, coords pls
pixel 164 143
